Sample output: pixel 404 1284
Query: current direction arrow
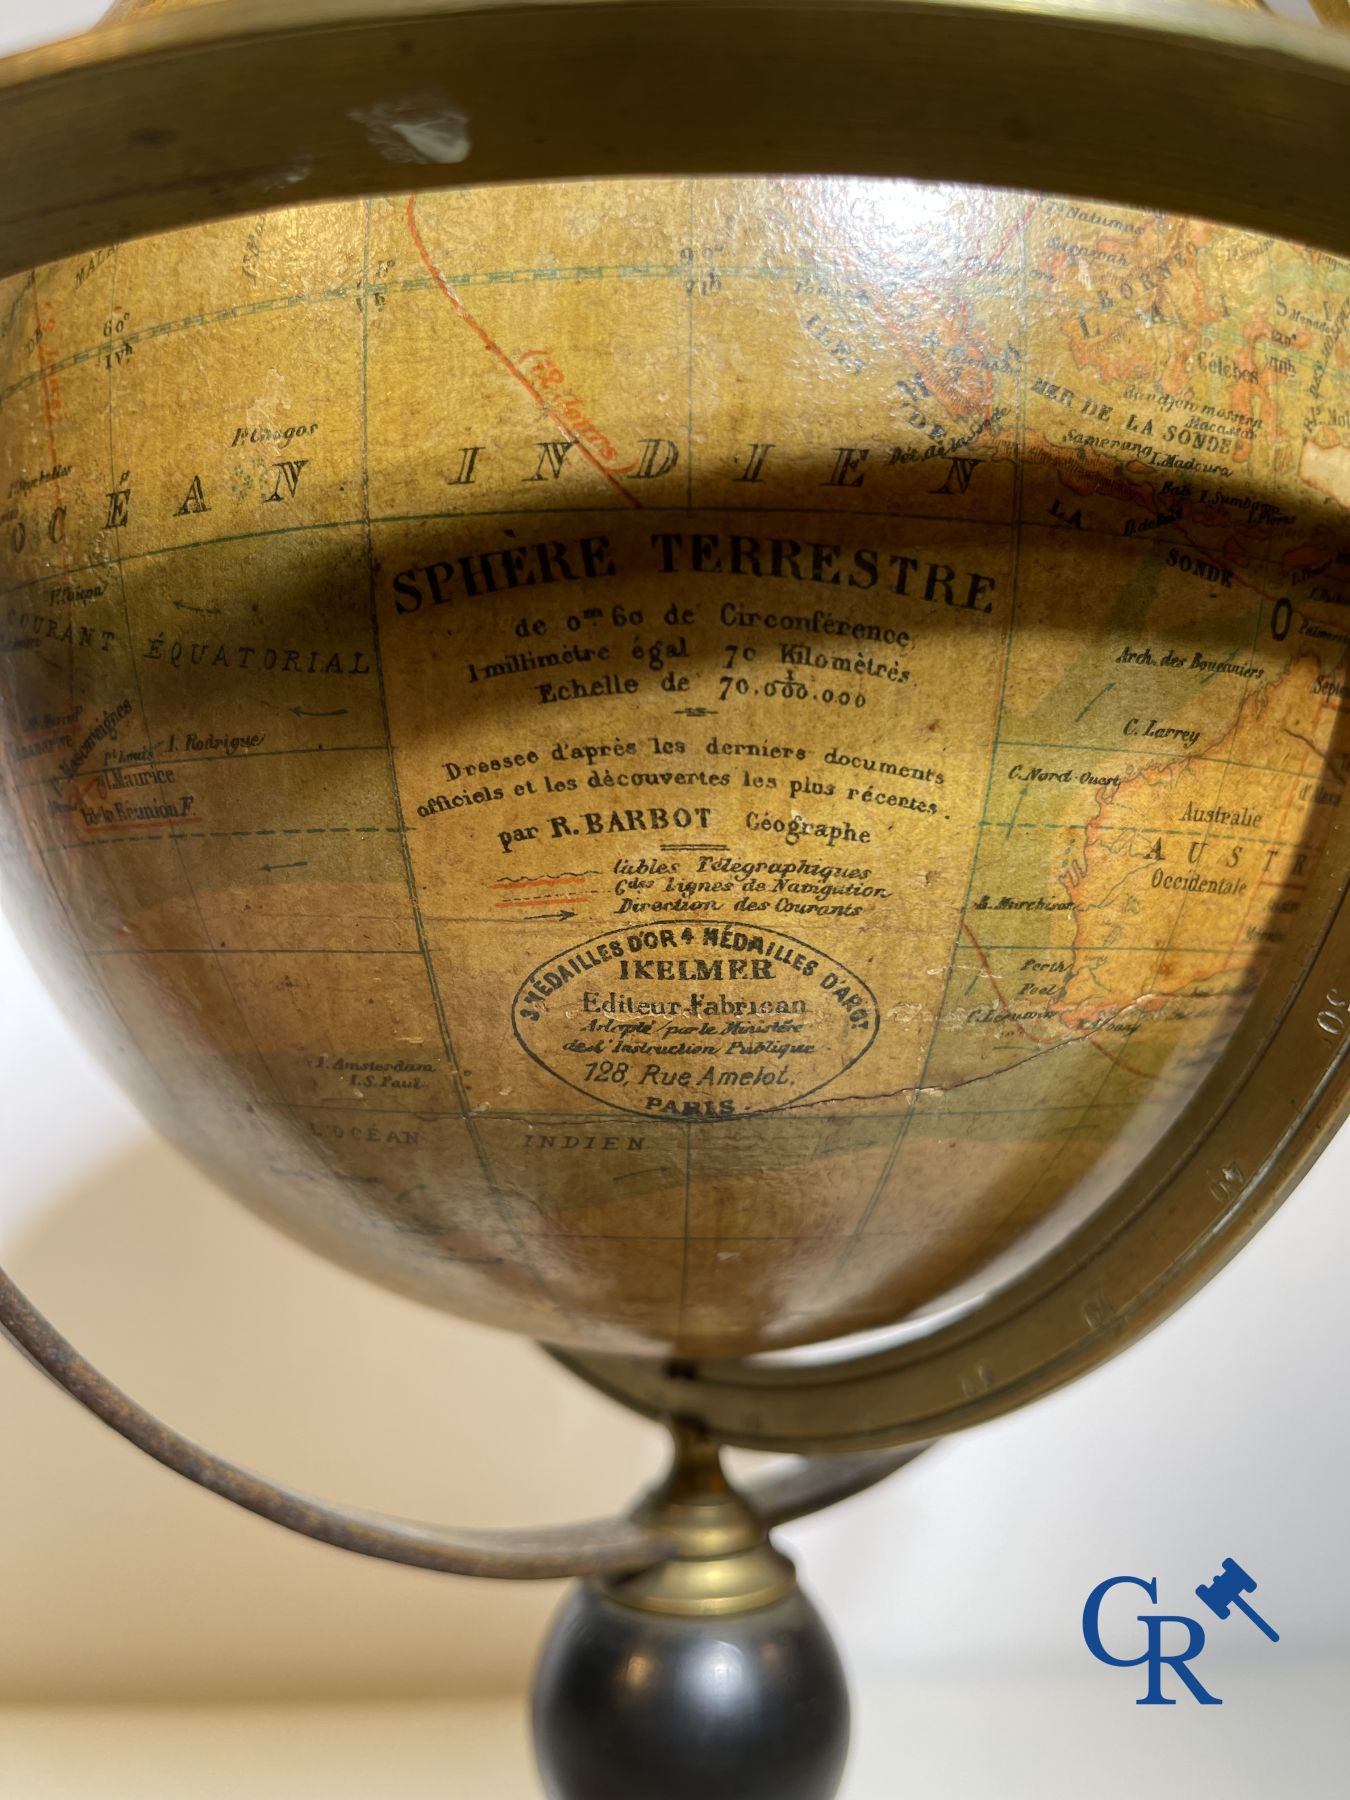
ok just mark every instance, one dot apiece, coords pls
pixel 507 918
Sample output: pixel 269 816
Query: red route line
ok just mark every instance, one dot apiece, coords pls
pixel 1018 225
pixel 490 343
pixel 41 731
pixel 81 786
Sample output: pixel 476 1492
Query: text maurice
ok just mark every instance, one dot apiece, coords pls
pixel 483 573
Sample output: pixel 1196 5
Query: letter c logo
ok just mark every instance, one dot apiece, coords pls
pixel 1092 1635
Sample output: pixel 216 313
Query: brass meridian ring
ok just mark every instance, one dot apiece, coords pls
pixel 135 129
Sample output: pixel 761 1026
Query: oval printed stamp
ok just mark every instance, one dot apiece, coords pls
pixel 695 1021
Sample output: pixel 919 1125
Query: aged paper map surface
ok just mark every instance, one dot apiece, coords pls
pixel 674 763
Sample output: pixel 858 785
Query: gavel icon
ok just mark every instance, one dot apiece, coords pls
pixel 1226 1591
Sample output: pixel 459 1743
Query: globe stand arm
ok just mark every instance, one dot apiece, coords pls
pixel 630 1695
pixel 608 1547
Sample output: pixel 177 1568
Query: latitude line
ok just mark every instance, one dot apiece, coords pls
pixel 825 510
pixel 1107 750
pixel 259 831
pixel 248 950
pixel 1065 948
pixel 928 1108
pixel 182 762
pixel 523 276
pixel 1020 824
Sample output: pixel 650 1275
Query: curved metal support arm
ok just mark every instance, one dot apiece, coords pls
pixel 599 1547
pixel 812 1483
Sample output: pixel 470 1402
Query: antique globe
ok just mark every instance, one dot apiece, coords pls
pixel 693 764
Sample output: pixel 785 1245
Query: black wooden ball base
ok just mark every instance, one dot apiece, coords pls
pixel 631 1705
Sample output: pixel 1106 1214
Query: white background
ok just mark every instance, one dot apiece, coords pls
pixel 956 1591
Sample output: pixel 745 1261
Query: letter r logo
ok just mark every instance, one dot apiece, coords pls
pixel 1153 1653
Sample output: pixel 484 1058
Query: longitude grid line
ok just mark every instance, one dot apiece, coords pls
pixel 1226 771
pixel 396 799
pixel 1095 1101
pixel 689 504
pixel 855 1237
pixel 40 853
pixel 1166 947
pixel 115 529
